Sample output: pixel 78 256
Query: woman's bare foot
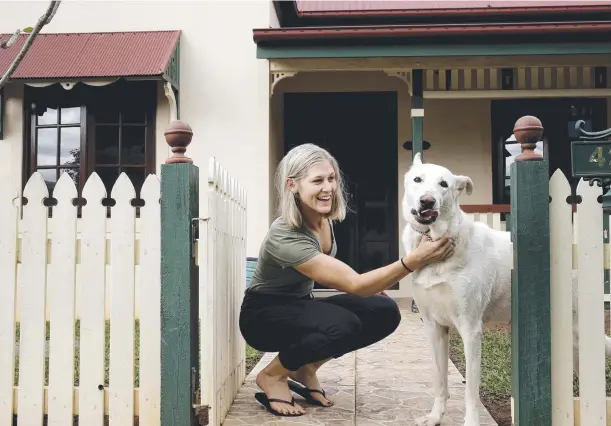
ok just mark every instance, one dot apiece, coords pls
pixel 306 375
pixel 273 381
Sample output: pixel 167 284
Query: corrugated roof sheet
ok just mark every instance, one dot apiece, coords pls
pixel 83 55
pixel 308 6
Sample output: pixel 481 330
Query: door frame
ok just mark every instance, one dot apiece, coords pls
pixel 394 202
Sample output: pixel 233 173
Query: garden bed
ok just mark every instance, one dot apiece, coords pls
pixel 495 389
pixel 252 358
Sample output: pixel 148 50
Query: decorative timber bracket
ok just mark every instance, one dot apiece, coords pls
pixel 591 159
pixel 276 77
pixel 405 75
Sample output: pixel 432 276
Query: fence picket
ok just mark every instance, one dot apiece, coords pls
pixel 150 320
pixel 213 292
pixel 61 298
pixel 122 252
pixel 8 265
pixel 92 282
pixel 32 285
pixel 561 241
pixel 496 222
pixel 223 278
pixel 590 296
pixel 244 204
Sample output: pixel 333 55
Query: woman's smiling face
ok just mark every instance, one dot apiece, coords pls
pixel 317 189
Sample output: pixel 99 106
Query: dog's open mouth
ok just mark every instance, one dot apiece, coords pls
pixel 425 217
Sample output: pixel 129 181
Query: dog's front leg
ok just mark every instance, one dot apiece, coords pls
pixel 438 339
pixel 472 341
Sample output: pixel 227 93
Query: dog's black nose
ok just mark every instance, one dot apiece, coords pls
pixel 427 202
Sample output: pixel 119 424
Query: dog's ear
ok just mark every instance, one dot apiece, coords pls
pixel 417 160
pixel 463 183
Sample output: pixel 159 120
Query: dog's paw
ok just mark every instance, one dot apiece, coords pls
pixel 428 421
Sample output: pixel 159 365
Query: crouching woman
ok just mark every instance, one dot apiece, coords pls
pixel 279 313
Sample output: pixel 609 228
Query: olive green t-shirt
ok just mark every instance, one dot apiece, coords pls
pixel 282 249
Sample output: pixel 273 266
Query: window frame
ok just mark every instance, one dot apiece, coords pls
pixel 32 152
pixel 87 101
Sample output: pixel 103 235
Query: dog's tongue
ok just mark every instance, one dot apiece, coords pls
pixel 428 213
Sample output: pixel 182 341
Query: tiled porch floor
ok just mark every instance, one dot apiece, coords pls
pixel 389 383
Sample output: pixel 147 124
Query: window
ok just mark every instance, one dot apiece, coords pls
pixel 108 129
pixel 57 137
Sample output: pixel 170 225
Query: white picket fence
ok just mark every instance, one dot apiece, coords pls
pixel 223 360
pixel 577 248
pixel 84 280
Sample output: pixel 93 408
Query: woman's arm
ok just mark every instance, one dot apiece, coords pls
pixel 334 273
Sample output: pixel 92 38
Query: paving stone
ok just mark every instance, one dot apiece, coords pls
pixel 389 384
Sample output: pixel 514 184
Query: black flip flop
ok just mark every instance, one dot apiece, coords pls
pixel 306 393
pixel 266 403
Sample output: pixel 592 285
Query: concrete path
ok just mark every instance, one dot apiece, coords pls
pixel 389 383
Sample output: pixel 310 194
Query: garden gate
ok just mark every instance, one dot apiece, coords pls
pixel 100 298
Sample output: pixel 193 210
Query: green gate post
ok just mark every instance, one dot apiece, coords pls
pixel 417 113
pixel 179 284
pixel 530 292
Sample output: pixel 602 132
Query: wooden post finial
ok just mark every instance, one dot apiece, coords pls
pixel 178 136
pixel 528 130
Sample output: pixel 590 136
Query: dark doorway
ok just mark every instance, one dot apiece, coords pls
pixel 558 117
pixel 360 131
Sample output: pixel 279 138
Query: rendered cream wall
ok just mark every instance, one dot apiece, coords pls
pixel 459 130
pixel 460 135
pixel 11 147
pixel 224 87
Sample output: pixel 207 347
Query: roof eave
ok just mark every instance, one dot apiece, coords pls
pixel 320 34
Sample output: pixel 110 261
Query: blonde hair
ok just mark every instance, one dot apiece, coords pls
pixel 295 166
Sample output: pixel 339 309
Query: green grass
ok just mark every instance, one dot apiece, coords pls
pixel 496 363
pixel 252 358
pixel 495 389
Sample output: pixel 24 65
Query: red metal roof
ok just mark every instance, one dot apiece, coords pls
pixel 83 55
pixel 423 7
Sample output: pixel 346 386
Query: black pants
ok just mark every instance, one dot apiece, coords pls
pixel 307 330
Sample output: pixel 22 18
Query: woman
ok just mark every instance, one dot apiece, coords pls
pixel 279 313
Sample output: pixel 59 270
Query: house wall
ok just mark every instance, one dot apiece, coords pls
pixel 224 92
pixel 458 141
pixel 11 147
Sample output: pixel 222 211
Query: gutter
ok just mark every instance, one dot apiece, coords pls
pixel 262 36
pixel 429 12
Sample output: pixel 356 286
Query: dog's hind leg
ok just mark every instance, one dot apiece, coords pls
pixel 438 339
pixel 472 342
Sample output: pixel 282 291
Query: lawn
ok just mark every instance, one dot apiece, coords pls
pixel 252 358
pixel 495 389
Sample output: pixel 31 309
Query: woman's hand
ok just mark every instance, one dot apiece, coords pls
pixel 429 252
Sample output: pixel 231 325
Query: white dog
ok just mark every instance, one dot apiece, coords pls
pixel 471 288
